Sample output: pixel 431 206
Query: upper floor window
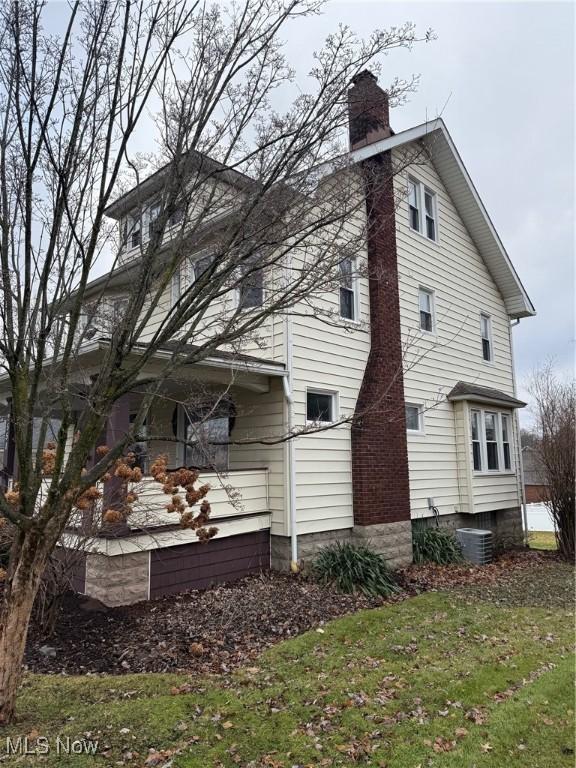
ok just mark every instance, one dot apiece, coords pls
pixel 348 308
pixel 320 406
pixel 490 433
pixel 486 335
pixel 414 418
pixel 153 213
pixel 426 307
pixel 134 232
pixel 422 209
pixel 251 289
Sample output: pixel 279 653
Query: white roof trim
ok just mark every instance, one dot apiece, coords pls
pixel 466 199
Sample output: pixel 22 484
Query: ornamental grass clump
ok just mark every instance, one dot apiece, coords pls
pixel 434 545
pixel 354 568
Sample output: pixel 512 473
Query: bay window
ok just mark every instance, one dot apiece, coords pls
pixel 490 435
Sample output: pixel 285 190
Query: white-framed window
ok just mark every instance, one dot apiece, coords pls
pixel 422 209
pixel 414 418
pixel 348 289
pixel 320 406
pixel 426 309
pixel 153 213
pixel 476 430
pixel 486 337
pixel 506 454
pixel 491 444
pixel 251 288
pixel 187 273
pixel 134 232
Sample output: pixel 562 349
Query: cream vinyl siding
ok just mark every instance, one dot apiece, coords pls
pixel 266 343
pixel 263 416
pixel 328 358
pixel 463 289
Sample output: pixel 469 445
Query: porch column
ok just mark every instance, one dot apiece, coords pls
pixel 117 426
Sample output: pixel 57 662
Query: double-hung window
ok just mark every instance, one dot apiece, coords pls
pixel 422 209
pixel 506 441
pixel 491 445
pixel 486 336
pixel 135 231
pixel 251 290
pixel 426 307
pixel 476 430
pixel 153 213
pixel 347 289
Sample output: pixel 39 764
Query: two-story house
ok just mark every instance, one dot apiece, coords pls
pixel 423 357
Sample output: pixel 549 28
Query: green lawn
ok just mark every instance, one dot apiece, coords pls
pixel 542 540
pixel 437 680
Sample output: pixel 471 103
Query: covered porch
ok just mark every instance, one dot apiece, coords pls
pixel 195 420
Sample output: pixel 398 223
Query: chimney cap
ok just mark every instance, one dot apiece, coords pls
pixel 365 74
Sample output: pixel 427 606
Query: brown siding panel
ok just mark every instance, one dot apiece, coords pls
pixel 199 566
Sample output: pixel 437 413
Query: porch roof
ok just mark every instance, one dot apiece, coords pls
pixel 249 367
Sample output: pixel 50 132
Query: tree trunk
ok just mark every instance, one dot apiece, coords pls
pixel 14 621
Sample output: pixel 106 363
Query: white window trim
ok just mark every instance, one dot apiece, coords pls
pixel 237 289
pixel 420 430
pixel 335 403
pixel 421 188
pixel 355 295
pixel 500 442
pixel 432 294
pixel 489 337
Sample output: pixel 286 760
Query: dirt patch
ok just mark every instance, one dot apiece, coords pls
pixel 210 631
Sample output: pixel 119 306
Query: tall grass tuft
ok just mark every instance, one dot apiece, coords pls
pixel 354 568
pixel 435 545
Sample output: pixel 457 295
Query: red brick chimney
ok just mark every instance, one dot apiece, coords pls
pixel 380 482
pixel 368 111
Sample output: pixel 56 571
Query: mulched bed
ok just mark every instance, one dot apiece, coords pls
pixel 209 632
pixel 228 626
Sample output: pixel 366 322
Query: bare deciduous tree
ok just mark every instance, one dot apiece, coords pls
pixel 554 445
pixel 234 174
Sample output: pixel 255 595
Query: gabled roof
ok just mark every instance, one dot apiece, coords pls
pixel 474 392
pixel 449 166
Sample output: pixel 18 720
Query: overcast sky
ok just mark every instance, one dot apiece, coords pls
pixel 502 75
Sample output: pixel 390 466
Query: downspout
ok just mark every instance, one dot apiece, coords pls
pixel 520 457
pixel 287 383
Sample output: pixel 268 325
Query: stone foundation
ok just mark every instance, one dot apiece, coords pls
pixel 392 540
pixel 505 524
pixel 118 579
